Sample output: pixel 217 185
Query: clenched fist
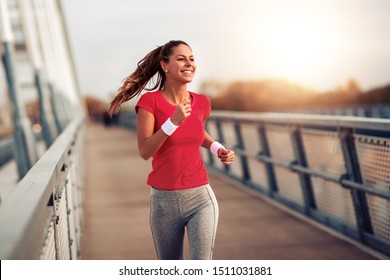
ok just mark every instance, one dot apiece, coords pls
pixel 226 156
pixel 183 110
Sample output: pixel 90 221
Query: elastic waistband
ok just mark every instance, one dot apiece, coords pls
pixel 178 193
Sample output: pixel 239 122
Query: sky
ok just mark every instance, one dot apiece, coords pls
pixel 318 44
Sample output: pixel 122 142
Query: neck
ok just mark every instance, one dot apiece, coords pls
pixel 176 93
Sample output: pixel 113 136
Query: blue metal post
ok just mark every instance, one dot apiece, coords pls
pixel 300 156
pixel 362 214
pixel 25 149
pixel 273 188
pixel 246 177
pixel 58 119
pixel 46 116
pixel 28 20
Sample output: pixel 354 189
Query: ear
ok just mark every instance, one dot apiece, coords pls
pixel 163 65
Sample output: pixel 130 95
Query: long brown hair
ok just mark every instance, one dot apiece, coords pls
pixel 146 69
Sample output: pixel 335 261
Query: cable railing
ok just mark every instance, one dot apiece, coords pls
pixel 332 169
pixel 42 217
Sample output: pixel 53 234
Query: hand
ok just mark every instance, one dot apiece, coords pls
pixel 183 110
pixel 226 156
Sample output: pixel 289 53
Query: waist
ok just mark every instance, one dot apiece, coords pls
pixel 155 192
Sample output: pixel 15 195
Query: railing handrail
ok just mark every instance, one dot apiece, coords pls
pixel 305 119
pixel 23 215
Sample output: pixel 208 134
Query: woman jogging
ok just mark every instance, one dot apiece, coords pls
pixel 170 129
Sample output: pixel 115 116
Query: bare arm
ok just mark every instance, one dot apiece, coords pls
pixel 207 140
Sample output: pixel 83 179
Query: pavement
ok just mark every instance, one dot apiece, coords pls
pixel 251 227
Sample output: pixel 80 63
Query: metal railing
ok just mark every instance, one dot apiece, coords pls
pixel 358 110
pixel 6 150
pixel 332 169
pixel 42 217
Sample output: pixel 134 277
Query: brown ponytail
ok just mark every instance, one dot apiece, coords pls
pixel 146 69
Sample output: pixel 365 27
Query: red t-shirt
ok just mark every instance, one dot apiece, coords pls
pixel 178 164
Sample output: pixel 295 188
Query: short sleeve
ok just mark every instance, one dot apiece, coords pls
pixel 147 102
pixel 207 107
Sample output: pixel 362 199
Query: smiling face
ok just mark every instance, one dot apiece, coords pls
pixel 181 65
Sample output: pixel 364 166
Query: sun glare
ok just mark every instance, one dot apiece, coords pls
pixel 293 43
pixel 296 42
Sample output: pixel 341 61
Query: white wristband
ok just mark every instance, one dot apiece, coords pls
pixel 215 147
pixel 168 127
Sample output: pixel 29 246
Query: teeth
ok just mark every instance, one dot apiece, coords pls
pixel 187 72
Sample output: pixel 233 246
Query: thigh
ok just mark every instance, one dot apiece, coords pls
pixel 167 228
pixel 202 227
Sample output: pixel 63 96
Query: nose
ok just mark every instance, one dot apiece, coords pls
pixel 188 62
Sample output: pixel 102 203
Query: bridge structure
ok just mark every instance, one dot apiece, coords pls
pixel 303 186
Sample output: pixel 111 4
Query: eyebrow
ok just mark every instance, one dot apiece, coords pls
pixel 184 55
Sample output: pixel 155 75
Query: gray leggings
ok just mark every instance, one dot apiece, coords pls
pixel 172 211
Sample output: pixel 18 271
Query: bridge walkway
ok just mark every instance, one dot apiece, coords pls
pixel 116 213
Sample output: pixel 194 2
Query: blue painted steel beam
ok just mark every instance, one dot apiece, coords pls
pixel 25 148
pixel 46 116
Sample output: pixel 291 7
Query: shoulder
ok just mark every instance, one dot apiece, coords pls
pixel 147 101
pixel 201 97
pixel 203 103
